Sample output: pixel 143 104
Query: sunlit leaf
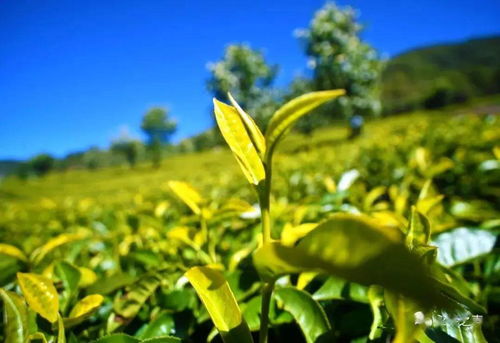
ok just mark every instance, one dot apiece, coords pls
pixel 187 194
pixel 88 277
pixel 289 113
pixel 235 133
pixel 83 309
pixel 355 249
pixel 12 251
pixel 65 238
pixel 254 132
pixel 40 294
pixel 220 303
pixel 292 234
pixel 307 313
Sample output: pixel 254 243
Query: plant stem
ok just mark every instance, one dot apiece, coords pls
pixel 267 291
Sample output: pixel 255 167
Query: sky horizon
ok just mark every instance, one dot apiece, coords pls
pixel 75 74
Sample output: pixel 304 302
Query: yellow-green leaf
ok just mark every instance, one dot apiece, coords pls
pixel 15 317
pixel 292 234
pixel 355 249
pixel 255 134
pixel 12 251
pixel 83 309
pixel 40 294
pixel 187 194
pixel 289 113
pixel 235 133
pixel 61 337
pixel 87 305
pixel 220 303
pixel 38 255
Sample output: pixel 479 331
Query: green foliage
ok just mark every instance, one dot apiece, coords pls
pixel 157 125
pixel 372 222
pixel 245 73
pixel 440 75
pixel 129 148
pixel 339 59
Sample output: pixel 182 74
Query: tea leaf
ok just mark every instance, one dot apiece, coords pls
pixel 40 294
pixel 65 238
pixel 255 134
pixel 187 194
pixel 307 313
pixel 130 303
pixel 289 113
pixel 337 289
pixel 463 244
pixel 419 230
pixel 356 249
pixel 15 317
pixel 12 251
pixel 61 337
pixel 70 277
pixel 235 133
pixel 83 309
pixel 220 303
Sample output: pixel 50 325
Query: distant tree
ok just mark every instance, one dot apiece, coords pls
pixel 245 73
pixel 129 148
pixel 41 164
pixel 157 125
pixel 339 59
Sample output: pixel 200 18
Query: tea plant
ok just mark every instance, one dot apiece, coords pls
pixel 391 237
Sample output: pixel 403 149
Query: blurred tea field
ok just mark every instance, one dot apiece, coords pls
pixel 123 237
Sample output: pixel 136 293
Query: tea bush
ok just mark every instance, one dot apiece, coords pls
pixel 388 237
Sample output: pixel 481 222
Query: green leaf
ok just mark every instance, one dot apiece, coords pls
pixel 463 244
pixel 306 312
pixel 111 283
pixel 15 317
pixel 40 294
pixel 419 230
pixel 289 113
pixel 220 303
pixel 165 339
pixel 338 289
pixel 12 251
pixel 136 295
pixel 38 255
pixel 357 249
pixel 118 338
pixel 187 194
pixel 254 132
pixel 376 298
pixel 162 325
pixel 234 131
pixel 70 277
pixel 83 309
pixel 61 337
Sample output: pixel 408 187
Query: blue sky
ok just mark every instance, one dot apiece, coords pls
pixel 75 73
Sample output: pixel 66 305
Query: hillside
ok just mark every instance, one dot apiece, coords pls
pixel 428 76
